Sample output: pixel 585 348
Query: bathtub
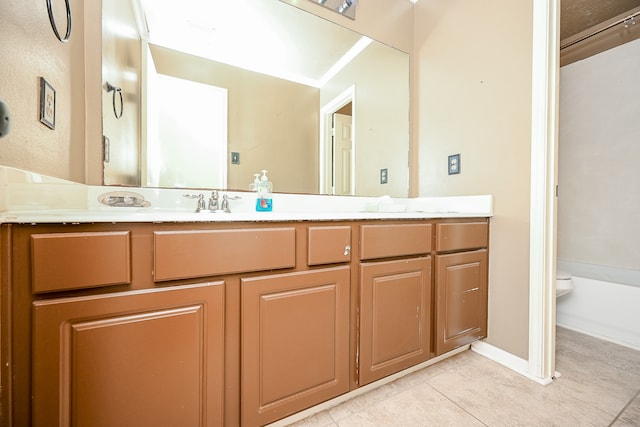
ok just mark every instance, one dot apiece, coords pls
pixel 605 303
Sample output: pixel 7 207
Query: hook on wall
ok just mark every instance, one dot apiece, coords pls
pixel 118 90
pixel 54 26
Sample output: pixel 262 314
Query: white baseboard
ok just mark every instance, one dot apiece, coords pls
pixel 508 360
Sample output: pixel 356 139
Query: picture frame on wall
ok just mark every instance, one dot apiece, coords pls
pixel 47 104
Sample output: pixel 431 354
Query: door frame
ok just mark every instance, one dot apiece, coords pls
pixel 326 141
pixel 543 211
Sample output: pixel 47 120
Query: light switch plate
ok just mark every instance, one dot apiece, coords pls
pixel 454 164
pixel 106 149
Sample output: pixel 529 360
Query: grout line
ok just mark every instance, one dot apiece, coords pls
pixel 625 408
pixel 456 404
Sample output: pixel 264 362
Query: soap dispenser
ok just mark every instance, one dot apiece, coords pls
pixel 264 201
pixel 256 182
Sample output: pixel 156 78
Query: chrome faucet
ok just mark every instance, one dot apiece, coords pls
pixel 214 205
pixel 213 201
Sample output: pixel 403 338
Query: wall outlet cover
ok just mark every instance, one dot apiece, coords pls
pixel 454 164
pixel 384 176
pixel 235 158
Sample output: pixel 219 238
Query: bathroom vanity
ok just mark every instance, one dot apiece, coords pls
pixel 116 319
pixel 227 323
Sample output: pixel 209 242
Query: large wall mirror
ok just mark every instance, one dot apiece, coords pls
pixel 207 93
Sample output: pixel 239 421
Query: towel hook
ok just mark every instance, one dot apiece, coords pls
pixel 54 26
pixel 118 90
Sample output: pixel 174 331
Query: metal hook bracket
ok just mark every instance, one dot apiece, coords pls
pixel 118 90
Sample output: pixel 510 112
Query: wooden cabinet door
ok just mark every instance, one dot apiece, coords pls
pixel 140 358
pixel 295 342
pixel 461 299
pixel 395 316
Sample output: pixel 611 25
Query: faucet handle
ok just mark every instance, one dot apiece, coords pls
pixel 200 198
pixel 225 202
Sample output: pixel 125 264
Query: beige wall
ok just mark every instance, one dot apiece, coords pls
pixel 472 89
pixel 30 50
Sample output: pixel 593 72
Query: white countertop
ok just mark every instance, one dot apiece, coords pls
pixel 122 215
pixel 32 198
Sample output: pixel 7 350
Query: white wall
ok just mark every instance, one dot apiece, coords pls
pixel 599 154
pixel 599 194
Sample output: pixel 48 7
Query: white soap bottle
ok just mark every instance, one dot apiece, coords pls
pixel 264 201
pixel 256 182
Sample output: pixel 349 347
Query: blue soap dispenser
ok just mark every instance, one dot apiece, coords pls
pixel 264 201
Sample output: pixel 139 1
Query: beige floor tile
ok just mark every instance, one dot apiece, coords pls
pixel 376 396
pixel 630 416
pixel 598 380
pixel 595 382
pixel 596 371
pixel 417 406
pixel 362 402
pixel 423 375
pixel 321 419
pixel 500 397
pixel 612 354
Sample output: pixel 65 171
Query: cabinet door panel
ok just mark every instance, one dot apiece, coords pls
pixel 130 359
pixel 394 316
pixel 295 342
pixel 461 299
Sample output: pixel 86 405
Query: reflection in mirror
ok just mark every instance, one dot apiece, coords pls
pixel 285 73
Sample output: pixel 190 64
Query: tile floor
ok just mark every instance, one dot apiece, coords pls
pixel 599 386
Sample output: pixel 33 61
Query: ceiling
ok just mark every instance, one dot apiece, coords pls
pixel 589 27
pixel 580 15
pixel 270 37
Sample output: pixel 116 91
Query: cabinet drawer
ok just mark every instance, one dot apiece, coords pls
pixel 63 261
pixel 469 235
pixel 199 253
pixel 329 245
pixel 381 241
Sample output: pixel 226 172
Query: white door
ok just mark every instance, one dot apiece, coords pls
pixel 342 152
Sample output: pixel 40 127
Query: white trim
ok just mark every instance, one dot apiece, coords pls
pixel 326 112
pixel 541 363
pixel 507 360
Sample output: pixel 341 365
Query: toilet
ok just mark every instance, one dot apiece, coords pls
pixel 564 283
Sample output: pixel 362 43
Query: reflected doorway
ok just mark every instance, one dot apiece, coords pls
pixel 186 144
pixel 337 145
